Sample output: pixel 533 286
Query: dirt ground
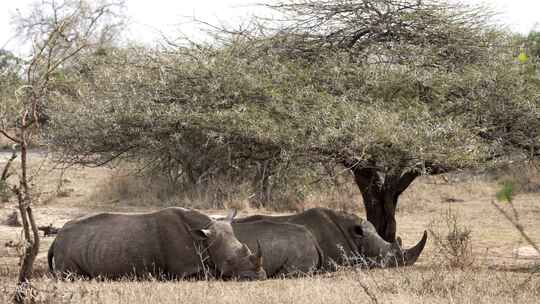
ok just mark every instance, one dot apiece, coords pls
pixel 498 269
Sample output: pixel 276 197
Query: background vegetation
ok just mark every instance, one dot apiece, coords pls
pixel 385 90
pixel 371 94
pixel 388 90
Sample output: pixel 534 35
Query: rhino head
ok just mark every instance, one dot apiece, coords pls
pixel 232 258
pixel 376 252
pixel 369 248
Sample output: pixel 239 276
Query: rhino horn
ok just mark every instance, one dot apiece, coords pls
pixel 230 215
pixel 411 255
pixel 259 256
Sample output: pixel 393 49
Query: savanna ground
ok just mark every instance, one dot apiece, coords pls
pixel 490 264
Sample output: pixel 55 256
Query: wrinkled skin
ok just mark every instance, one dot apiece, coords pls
pixel 343 239
pixel 169 243
pixel 290 250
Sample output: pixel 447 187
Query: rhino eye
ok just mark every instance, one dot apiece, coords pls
pixel 357 231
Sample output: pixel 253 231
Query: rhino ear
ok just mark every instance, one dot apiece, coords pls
pixel 200 234
pixel 230 215
pixel 399 241
pixel 357 231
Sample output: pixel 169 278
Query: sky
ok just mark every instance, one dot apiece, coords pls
pixel 149 19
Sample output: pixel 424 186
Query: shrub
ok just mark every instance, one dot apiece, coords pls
pixel 453 241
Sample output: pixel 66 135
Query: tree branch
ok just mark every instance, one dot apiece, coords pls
pixel 12 138
pixel 517 225
pixel 5 171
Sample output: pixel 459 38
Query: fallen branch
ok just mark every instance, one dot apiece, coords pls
pixel 48 230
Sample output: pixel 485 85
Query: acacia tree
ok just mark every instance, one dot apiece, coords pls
pixel 389 89
pixel 410 88
pixel 59 32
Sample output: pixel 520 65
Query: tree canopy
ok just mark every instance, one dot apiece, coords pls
pixel 390 89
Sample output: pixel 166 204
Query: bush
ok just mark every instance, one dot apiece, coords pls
pixel 453 242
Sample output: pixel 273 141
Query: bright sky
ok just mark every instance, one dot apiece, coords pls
pixel 149 18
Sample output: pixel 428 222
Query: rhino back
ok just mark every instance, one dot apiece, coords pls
pixel 114 245
pixel 331 238
pixel 288 249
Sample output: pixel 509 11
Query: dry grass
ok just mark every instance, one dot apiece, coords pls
pixel 144 191
pixel 425 284
pixel 452 240
pixel 497 276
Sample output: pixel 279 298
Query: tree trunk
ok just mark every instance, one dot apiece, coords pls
pixel 261 183
pixel 380 192
pixel 31 248
pixel 31 233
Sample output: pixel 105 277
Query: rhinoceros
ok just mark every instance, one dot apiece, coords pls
pixel 290 249
pixel 341 238
pixel 169 243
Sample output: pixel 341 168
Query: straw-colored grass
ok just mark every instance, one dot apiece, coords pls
pixel 427 283
pixel 497 273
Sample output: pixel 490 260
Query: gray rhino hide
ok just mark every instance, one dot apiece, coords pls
pixel 342 236
pixel 114 244
pixel 289 249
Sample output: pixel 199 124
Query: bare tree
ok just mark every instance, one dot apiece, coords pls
pixel 59 33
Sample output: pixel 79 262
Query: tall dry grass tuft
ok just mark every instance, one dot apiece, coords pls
pixel 122 188
pixel 345 198
pixel 130 190
pixel 151 191
pixel 452 240
pixel 422 196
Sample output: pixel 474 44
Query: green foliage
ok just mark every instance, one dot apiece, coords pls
pixel 533 44
pixel 529 55
pixel 506 193
pixel 270 107
pixel 523 57
pixel 10 81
